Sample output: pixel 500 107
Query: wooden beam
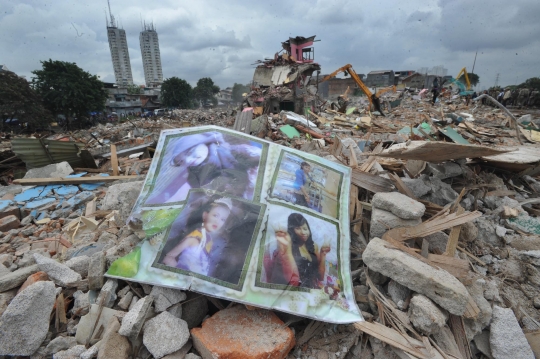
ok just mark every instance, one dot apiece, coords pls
pixel 114 160
pixel 453 239
pixel 74 180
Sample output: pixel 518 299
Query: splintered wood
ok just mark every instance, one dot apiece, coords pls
pixel 437 151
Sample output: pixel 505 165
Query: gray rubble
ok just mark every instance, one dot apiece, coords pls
pixel 506 337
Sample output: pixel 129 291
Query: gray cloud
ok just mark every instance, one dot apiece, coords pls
pixel 222 40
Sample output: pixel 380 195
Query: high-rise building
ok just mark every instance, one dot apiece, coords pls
pixel 153 73
pixel 119 52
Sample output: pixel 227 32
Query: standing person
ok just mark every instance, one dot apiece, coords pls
pixel 301 184
pixel 500 96
pixel 435 90
pixel 506 97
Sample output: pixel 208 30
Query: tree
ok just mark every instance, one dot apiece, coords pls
pixel 68 90
pixel 176 92
pixel 205 91
pixel 533 82
pixel 473 78
pixel 19 101
pixel 133 90
pixel 238 90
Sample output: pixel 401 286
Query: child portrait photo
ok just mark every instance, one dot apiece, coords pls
pixel 307 184
pixel 212 238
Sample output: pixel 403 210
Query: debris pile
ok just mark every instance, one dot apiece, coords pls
pixel 445 244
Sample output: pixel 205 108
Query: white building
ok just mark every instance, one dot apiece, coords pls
pixel 153 73
pixel 119 53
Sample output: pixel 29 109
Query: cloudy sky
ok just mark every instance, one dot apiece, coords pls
pixel 222 39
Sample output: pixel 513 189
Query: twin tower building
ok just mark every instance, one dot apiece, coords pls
pixel 148 38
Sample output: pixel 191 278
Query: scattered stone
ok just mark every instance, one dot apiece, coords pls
pixel 192 356
pixel 79 264
pixel 17 278
pixel 34 278
pixel 25 322
pixel 441 193
pixel 425 315
pixel 113 345
pixel 61 169
pixel 417 186
pixel 194 310
pixel 182 353
pixel 88 323
pixel 445 339
pixel 444 170
pixel 252 334
pixel 475 326
pixel 91 352
pixel 482 343
pixel 107 295
pixel 399 294
pixel 61 274
pixel 96 270
pixel 487 232
pixel 8 223
pixel 437 284
pixel 469 232
pixel 122 197
pixel 400 205
pixel 165 334
pixel 125 301
pixel 134 320
pixel 5 299
pixel 506 337
pixel 72 353
pixel 59 344
pixel 382 221
pixel 437 242
pixel 165 297
pixel 536 302
pixel 81 305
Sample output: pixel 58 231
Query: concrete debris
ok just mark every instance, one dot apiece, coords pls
pixel 165 334
pixel 506 337
pixel 426 316
pixel 400 205
pixel 113 345
pixel 60 273
pixel 437 284
pixel 70 233
pixel 25 322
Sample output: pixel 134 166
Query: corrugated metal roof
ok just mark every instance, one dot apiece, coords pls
pixel 33 153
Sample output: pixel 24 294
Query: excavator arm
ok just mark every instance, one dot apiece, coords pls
pixel 464 72
pixel 347 69
pixel 385 90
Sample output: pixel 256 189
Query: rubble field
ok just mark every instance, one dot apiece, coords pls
pixel 444 227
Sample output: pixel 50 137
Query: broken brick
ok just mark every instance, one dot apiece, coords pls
pixel 238 333
pixel 9 223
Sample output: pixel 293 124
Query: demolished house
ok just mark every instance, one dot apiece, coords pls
pixel 282 83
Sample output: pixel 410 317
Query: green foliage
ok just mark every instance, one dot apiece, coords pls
pixel 473 78
pixel 533 82
pixel 238 90
pixel 205 91
pixel 176 92
pixel 69 90
pixel 134 90
pixel 19 101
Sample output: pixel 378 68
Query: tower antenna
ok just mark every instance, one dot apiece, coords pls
pixel 110 14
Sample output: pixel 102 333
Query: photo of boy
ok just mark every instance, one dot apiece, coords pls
pixel 307 184
pixel 211 237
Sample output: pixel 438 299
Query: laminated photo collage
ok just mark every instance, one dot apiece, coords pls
pixel 236 217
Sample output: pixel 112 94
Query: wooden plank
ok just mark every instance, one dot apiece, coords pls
pixel 371 182
pixel 69 180
pixel 366 166
pixel 415 167
pixel 459 268
pixel 453 238
pixel 534 341
pixel 501 193
pixel 402 188
pixel 353 197
pixel 458 329
pixel 437 151
pixel 89 170
pixel 392 337
pixel 114 160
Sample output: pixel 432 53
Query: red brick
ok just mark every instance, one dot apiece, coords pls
pixel 34 278
pixel 238 333
pixel 11 211
pixel 8 223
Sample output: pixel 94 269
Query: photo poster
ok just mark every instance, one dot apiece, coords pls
pixel 235 217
